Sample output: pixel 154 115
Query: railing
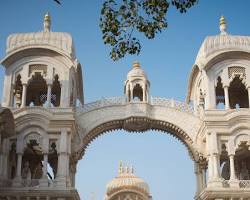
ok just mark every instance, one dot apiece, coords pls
pixel 178 105
pixel 30 183
pixel 112 101
pixel 225 184
pixel 244 183
pixel 102 103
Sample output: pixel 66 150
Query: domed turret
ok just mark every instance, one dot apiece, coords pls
pixel 127 185
pixel 220 76
pixel 137 84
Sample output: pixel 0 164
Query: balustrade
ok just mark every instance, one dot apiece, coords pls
pixel 156 101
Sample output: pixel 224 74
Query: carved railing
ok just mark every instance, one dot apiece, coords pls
pixel 178 105
pixel 244 183
pixel 112 101
pixel 102 103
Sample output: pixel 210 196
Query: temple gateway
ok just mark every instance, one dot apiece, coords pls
pixel 46 123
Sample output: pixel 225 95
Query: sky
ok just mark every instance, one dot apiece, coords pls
pixel 161 160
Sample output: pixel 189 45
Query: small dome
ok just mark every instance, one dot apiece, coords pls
pixel 126 180
pixel 136 71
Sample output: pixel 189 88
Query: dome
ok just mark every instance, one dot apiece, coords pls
pixel 218 44
pixel 127 180
pixel 136 71
pixel 57 41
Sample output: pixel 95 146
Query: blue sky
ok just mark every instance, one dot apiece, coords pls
pixel 158 158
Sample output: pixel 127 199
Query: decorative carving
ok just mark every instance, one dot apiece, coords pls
pixel 236 71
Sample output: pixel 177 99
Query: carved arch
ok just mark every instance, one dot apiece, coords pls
pixel 141 124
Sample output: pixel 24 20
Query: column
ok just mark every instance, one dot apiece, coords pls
pixel 143 94
pixel 49 95
pixel 227 106
pixel 233 182
pixel 232 168
pixel 210 168
pixel 203 177
pixel 24 95
pixel 19 165
pixel 45 163
pixel 131 93
pixel 43 182
pixel 215 166
pixel 63 164
pixel 248 89
pixel 198 178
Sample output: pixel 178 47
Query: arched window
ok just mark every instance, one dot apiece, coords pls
pixel 36 90
pixel 220 96
pixel 138 92
pixel 56 92
pixel 238 95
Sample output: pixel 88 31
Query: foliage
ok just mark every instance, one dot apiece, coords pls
pixel 121 20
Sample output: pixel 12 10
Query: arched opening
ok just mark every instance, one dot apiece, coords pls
pixel 157 158
pixel 18 89
pixel 242 161
pixel 56 92
pixel 224 163
pixel 238 95
pixel 32 163
pixel 220 96
pixel 52 160
pixel 138 93
pixel 36 91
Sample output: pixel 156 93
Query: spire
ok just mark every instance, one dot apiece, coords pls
pixel 47 22
pixel 223 26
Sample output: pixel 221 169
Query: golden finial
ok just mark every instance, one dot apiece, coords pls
pixel 136 64
pixel 223 25
pixel 47 22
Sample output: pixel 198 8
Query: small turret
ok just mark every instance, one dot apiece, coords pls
pixel 137 84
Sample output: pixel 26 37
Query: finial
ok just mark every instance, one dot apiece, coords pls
pixel 132 169
pixel 136 64
pixel 223 25
pixel 47 22
pixel 120 167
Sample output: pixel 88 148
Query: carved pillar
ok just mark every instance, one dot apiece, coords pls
pixel 232 168
pixel 19 165
pixel 143 94
pixel 49 95
pixel 204 177
pixel 227 105
pixel 63 164
pixel 198 178
pixel 210 168
pixel 131 92
pixel 24 95
pixel 215 166
pixel 234 183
